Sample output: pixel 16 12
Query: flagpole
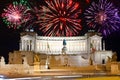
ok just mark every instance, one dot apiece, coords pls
pixel 47 60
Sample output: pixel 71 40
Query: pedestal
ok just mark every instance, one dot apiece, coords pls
pixel 36 66
pixel 114 68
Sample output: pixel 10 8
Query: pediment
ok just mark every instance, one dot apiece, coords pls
pixel 96 37
pixel 27 37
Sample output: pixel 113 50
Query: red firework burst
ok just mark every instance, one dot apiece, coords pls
pixel 60 18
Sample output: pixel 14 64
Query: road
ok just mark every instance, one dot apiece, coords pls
pixel 67 77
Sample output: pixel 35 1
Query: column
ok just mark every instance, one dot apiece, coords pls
pixel 23 45
pixel 27 49
pixel 33 45
pixel 37 46
pixel 20 45
pixel 97 45
pixel 40 46
pixel 100 47
pixel 103 45
pixel 29 45
pixel 86 45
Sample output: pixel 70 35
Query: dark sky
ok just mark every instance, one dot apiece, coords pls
pixel 9 38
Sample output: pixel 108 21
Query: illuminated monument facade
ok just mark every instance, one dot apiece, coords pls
pixel 72 54
pixel 81 45
pixel 79 49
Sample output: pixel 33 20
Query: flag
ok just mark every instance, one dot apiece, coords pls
pixel 48 46
pixel 92 48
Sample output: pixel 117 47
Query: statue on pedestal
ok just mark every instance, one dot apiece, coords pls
pixel 114 57
pixel 36 62
pixel 64 49
pixel 64 55
pixel 2 61
pixel 36 58
pixel 109 59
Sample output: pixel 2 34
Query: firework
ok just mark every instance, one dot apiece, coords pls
pixel 103 17
pixel 59 18
pixel 16 14
pixel 87 1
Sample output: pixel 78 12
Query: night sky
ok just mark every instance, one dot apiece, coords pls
pixel 9 38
